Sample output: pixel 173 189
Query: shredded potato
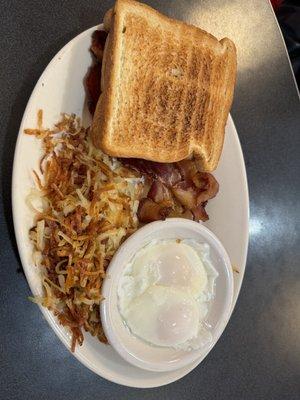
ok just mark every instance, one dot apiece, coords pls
pixel 85 205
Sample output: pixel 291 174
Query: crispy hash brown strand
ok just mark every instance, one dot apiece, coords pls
pixel 85 205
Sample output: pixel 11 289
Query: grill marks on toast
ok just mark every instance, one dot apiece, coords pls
pixel 172 92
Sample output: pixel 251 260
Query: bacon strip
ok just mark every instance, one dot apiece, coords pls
pixel 158 192
pixel 93 77
pixel 188 169
pixel 187 214
pixel 209 189
pixel 199 213
pixel 150 211
pixel 186 194
pixel 168 174
pixel 180 182
pixel 93 86
pixel 98 43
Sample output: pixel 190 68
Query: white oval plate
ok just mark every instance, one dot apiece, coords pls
pixel 60 89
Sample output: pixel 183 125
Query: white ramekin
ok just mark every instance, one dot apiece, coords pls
pixel 133 349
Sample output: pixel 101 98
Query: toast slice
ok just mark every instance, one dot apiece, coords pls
pixel 167 88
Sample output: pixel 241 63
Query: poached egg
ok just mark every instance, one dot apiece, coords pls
pixel 164 293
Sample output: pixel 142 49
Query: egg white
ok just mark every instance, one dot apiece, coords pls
pixel 163 316
pixel 164 291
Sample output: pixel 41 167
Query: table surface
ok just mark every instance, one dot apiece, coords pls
pixel 258 356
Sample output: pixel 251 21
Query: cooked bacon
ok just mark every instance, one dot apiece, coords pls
pixel 186 193
pixel 188 169
pixel 98 43
pixel 136 164
pixel 93 77
pixel 168 174
pixel 150 211
pixel 209 189
pixel 190 187
pixel 93 86
pixel 200 213
pixel 158 192
pixel 187 214
pixel 191 197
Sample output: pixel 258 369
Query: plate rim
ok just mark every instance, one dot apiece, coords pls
pixel 45 312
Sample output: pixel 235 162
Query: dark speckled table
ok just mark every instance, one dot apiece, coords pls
pixel 258 356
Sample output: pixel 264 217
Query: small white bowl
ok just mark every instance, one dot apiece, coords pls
pixel 135 350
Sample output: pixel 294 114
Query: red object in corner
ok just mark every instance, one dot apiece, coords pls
pixel 276 4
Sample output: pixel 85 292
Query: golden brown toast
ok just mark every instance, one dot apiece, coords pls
pixel 167 88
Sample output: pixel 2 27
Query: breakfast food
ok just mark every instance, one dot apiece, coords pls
pixel 175 190
pixel 165 291
pixel 203 92
pixel 165 100
pixel 85 205
pixel 167 88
